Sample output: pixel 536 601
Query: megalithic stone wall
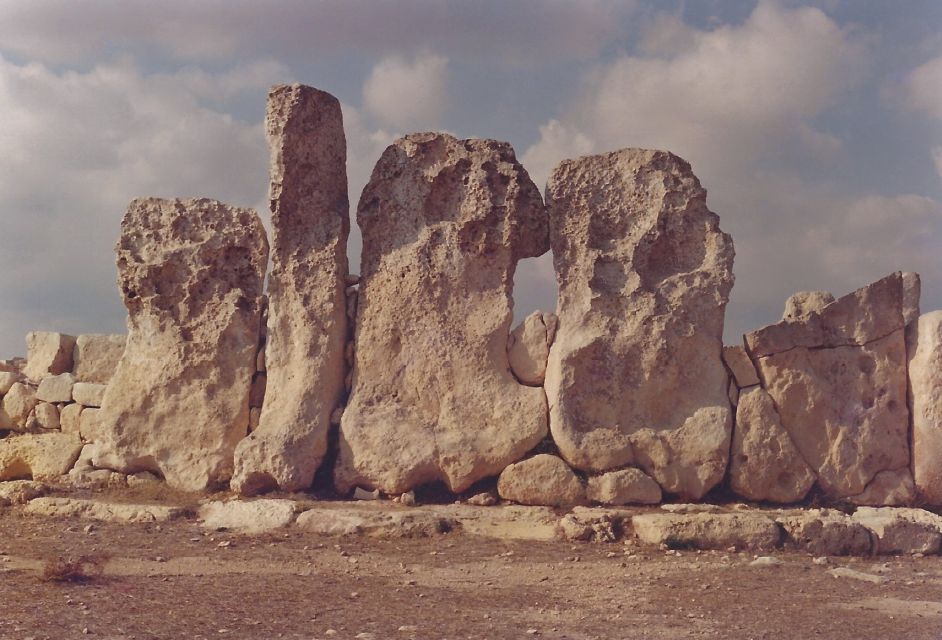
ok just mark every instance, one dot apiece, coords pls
pixel 191 274
pixel 307 323
pixel 635 376
pixel 444 223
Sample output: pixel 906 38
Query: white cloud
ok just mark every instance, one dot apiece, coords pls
pixel 923 88
pixel 77 148
pixel 407 94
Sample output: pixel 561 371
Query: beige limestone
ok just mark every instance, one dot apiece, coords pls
pixel 18 403
pixel 924 347
pixel 765 465
pixel 90 425
pixel 753 531
pixel 543 480
pixel 56 388
pixel 635 375
pixel 190 273
pixel 96 357
pixel 529 345
pixel 624 486
pixel 377 523
pixel 895 533
pixel 48 353
pixel 307 324
pixel 444 223
pixel 247 516
pixel 46 416
pixel 14 492
pixel 92 509
pixel 827 532
pixel 88 394
pixel 838 379
pixel 739 364
pixel 44 456
pixel 801 305
pixel 70 418
pixel 8 379
pixel 890 488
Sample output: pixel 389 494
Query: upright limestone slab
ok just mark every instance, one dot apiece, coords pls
pixel 444 223
pixel 925 383
pixel 635 376
pixel 307 324
pixel 837 375
pixel 191 274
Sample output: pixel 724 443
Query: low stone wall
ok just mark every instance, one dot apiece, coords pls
pixel 411 373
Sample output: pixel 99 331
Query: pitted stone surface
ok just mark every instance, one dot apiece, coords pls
pixel 838 378
pixel 924 346
pixel 96 357
pixel 444 223
pixel 44 456
pixel 635 375
pixel 307 323
pixel 764 464
pixel 191 274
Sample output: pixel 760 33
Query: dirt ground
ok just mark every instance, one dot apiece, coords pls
pixel 177 581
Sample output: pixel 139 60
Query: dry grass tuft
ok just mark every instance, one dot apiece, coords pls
pixel 75 570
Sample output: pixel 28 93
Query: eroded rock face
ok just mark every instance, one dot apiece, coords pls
pixel 802 304
pixel 838 379
pixel 543 480
pixel 624 486
pixel 764 463
pixel 529 345
pixel 191 273
pixel 44 456
pixel 925 380
pixel 444 223
pixel 307 324
pixel 635 374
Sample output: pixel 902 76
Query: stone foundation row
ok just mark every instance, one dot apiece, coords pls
pixel 410 373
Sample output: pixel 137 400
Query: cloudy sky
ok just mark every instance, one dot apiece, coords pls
pixel 815 127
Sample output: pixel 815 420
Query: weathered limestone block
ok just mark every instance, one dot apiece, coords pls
pixel 88 394
pixel 190 273
pixel 48 354
pixel 838 379
pixel 529 345
pixel 543 480
pixel 635 375
pixel 90 426
pixel 827 532
pixel 802 304
pixel 56 388
pixel 376 522
pixel 44 456
pixel 739 364
pixel 46 416
pixel 444 223
pixel 890 488
pixel 8 379
pixel 765 465
pixel 96 357
pixel 897 533
pixel 70 418
pixel 18 403
pixel 307 323
pixel 247 516
pixel 708 530
pixel 924 346
pixel 90 509
pixel 14 492
pixel 624 486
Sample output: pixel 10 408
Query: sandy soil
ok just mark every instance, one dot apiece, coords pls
pixel 177 581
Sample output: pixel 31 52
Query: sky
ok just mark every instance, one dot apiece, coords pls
pixel 816 128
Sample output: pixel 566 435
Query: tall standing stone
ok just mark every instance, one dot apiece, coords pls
pixel 307 324
pixel 191 274
pixel 444 223
pixel 837 375
pixel 925 390
pixel 635 376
